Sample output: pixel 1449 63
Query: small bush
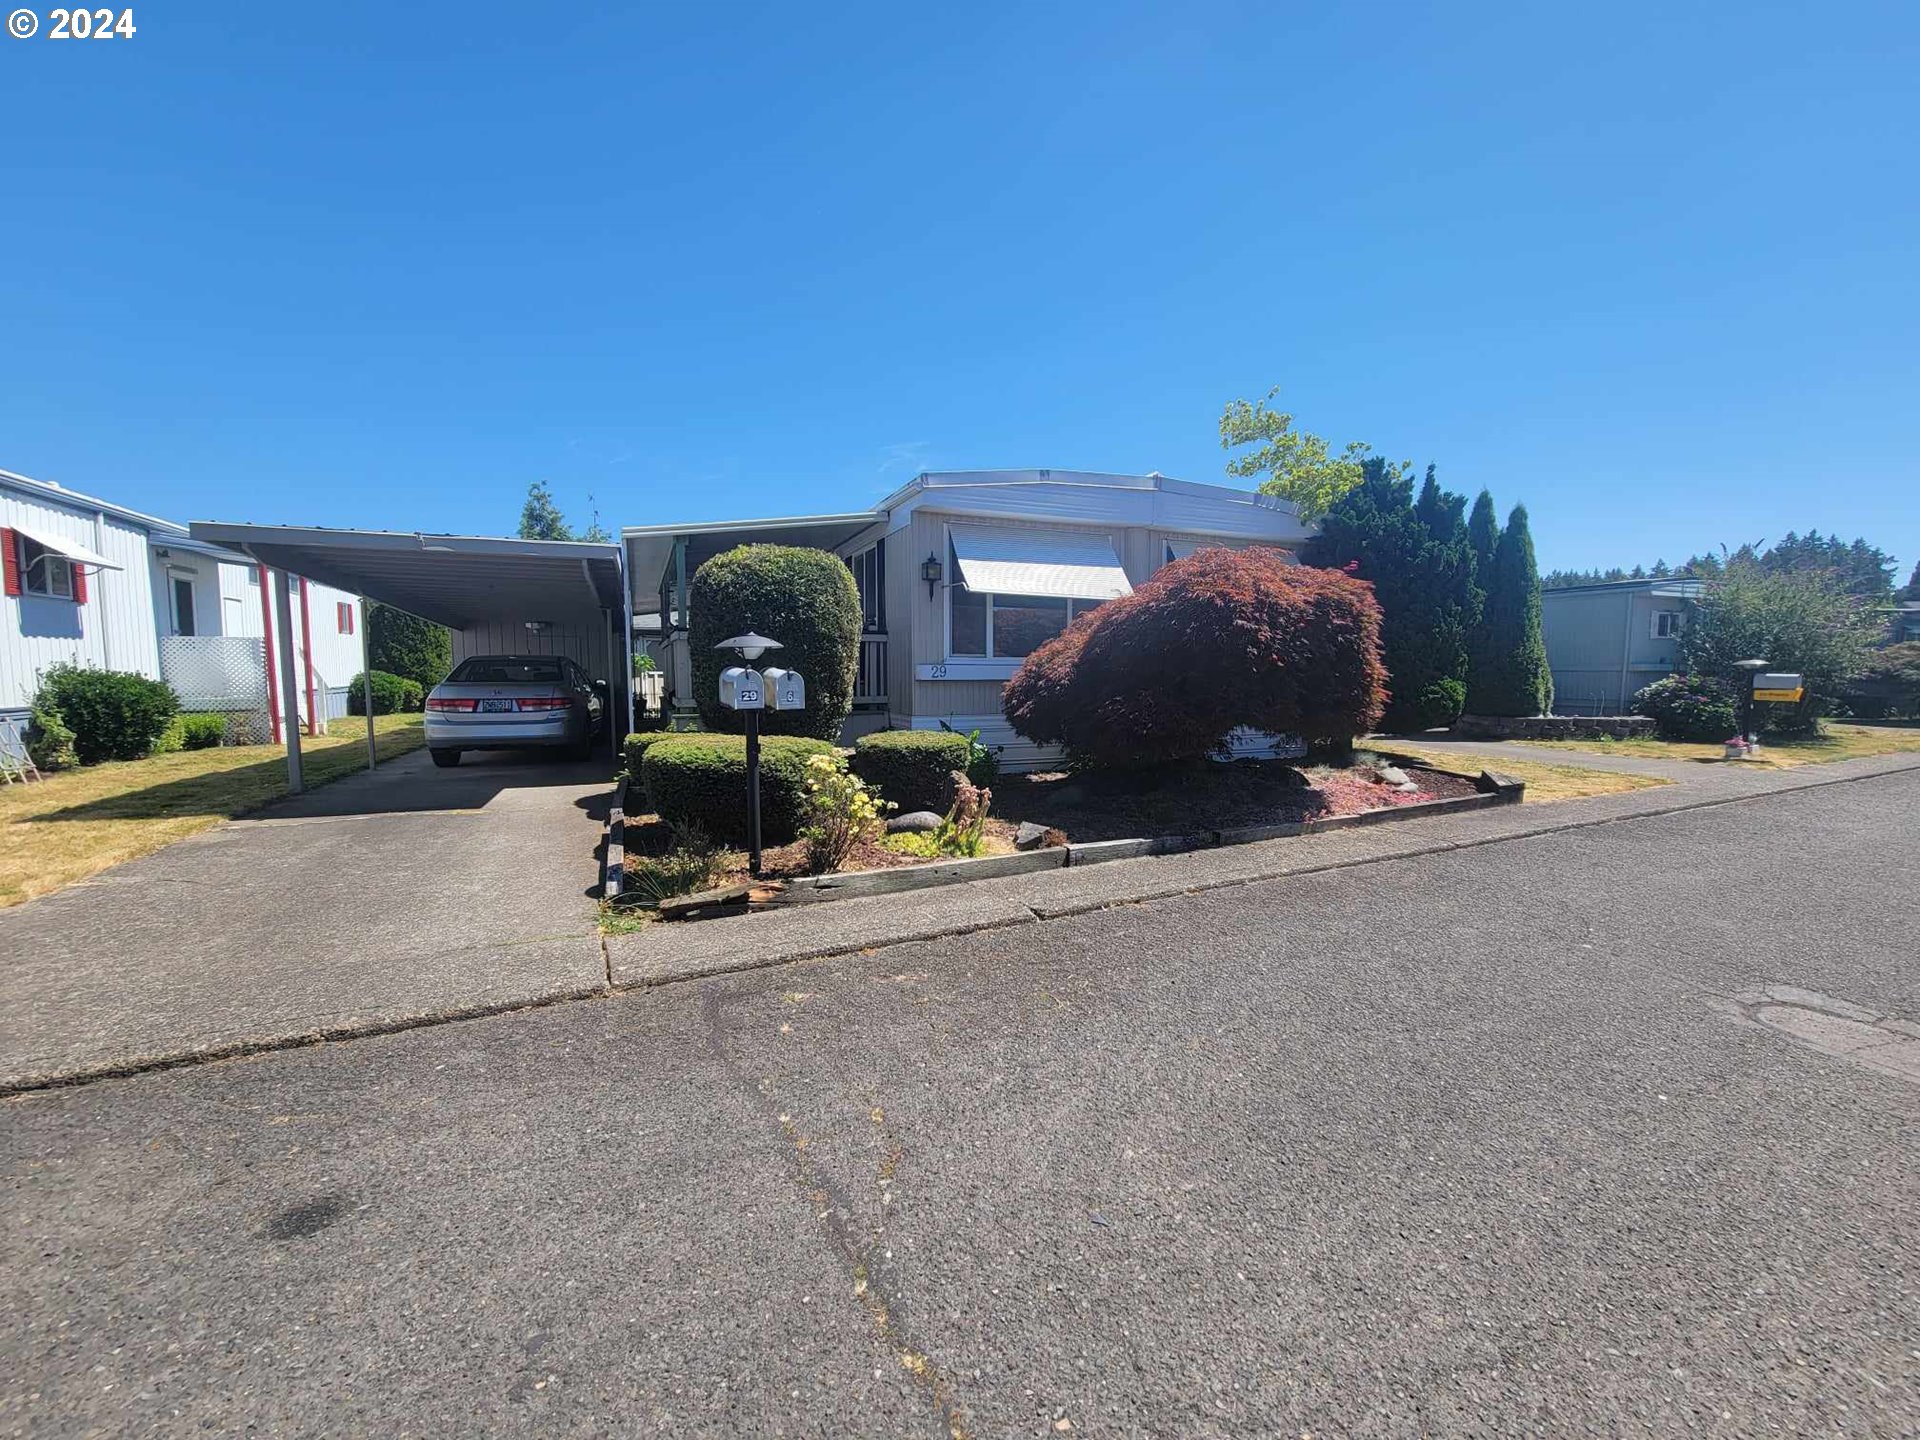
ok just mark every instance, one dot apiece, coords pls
pixel 1440 704
pixel 196 730
pixel 1688 707
pixel 114 715
pixel 1221 639
pixel 1890 684
pixel 840 813
pixel 805 599
pixel 392 694
pixel 49 741
pixel 962 833
pixel 701 779
pixel 983 765
pixel 692 863
pixel 912 767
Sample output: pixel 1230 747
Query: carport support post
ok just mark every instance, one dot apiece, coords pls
pixel 366 673
pixel 289 686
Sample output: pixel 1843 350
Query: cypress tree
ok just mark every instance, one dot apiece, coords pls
pixel 403 644
pixel 1510 675
pixel 1484 532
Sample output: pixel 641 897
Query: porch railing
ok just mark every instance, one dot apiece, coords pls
pixel 870 680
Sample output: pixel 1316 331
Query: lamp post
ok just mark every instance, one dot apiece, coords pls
pixel 747 697
pixel 1748 669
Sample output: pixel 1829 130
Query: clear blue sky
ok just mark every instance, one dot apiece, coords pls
pixel 1650 270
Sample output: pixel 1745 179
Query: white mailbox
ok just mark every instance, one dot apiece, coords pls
pixel 786 690
pixel 742 689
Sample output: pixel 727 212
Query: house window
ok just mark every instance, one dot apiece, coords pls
pixel 869 569
pixel 1006 627
pixel 343 616
pixel 182 587
pixel 1667 624
pixel 44 573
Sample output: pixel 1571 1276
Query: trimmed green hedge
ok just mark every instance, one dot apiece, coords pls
pixel 910 767
pixel 634 747
pixel 805 599
pixel 114 714
pixel 392 694
pixel 701 779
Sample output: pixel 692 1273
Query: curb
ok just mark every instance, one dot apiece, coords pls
pixel 613 854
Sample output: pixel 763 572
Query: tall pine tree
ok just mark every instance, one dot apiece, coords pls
pixel 1509 674
pixel 1421 567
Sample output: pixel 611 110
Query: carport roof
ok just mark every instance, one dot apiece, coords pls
pixel 456 580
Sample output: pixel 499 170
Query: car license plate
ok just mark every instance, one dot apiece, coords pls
pixel 494 707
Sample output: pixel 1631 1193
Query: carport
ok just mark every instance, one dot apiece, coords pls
pixel 497 596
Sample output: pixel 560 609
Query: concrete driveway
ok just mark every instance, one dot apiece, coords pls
pixel 389 896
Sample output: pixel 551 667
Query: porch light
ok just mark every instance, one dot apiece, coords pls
pixel 930 571
pixel 750 646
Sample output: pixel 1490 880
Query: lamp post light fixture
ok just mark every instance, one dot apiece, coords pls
pixel 930 571
pixel 745 695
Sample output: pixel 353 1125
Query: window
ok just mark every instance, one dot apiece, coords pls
pixel 1006 627
pixel 507 670
pixel 182 587
pixel 869 569
pixel 1667 624
pixel 343 616
pixel 44 573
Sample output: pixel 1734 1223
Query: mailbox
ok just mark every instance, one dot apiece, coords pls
pixel 786 690
pixel 741 689
pixel 1778 685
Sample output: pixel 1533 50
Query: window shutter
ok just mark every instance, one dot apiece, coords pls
pixel 11 544
pixel 79 584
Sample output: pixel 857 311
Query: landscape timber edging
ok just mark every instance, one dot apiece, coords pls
pixel 613 857
pixel 1495 789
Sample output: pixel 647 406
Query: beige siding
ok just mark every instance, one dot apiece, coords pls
pixel 586 643
pixel 903 578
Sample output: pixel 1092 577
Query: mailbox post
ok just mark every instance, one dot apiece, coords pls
pixel 744 689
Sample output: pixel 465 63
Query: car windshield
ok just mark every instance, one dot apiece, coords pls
pixel 506 670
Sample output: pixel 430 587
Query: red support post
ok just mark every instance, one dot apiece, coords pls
pixel 306 641
pixel 266 633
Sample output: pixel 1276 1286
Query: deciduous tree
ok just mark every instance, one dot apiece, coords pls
pixel 1289 463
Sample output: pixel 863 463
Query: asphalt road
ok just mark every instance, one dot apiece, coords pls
pixel 1459 1143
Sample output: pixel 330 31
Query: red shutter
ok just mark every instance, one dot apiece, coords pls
pixel 343 613
pixel 11 544
pixel 79 585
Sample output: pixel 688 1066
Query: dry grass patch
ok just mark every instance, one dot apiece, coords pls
pixel 1544 782
pixel 1840 742
pixel 77 823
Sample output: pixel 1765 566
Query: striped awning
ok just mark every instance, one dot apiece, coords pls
pixel 1070 564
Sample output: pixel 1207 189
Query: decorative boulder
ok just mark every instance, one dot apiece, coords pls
pixel 914 822
pixel 1037 837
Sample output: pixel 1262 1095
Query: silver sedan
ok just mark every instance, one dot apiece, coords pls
pixel 511 702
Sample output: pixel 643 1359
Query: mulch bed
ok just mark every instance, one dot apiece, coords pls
pixel 1177 800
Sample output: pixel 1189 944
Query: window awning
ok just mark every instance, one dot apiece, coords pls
pixel 71 549
pixel 1063 563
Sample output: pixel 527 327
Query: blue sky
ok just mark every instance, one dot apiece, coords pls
pixel 1650 270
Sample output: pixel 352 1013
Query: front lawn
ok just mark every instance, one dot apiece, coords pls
pixel 1544 782
pixel 1841 741
pixel 78 822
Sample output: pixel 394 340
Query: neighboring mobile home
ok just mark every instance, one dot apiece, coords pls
pixel 90 582
pixel 1607 642
pixel 963 574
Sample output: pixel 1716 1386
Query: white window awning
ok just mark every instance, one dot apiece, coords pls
pixel 1068 564
pixel 70 549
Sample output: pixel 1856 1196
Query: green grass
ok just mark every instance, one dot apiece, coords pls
pixel 1840 741
pixel 78 822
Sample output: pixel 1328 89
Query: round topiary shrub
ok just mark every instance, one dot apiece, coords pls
pixel 1221 639
pixel 114 715
pixel 392 694
pixel 1689 707
pixel 805 599
pixel 701 779
pixel 912 768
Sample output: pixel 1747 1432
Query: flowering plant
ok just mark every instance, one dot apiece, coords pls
pixel 839 812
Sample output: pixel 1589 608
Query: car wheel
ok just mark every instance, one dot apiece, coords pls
pixel 445 759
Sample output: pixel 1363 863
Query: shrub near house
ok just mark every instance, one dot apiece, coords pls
pixel 113 714
pixel 806 599
pixel 1219 640
pixel 701 779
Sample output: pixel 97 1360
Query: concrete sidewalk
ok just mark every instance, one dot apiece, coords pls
pixel 405 893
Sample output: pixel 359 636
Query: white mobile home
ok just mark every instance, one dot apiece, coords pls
pixel 90 582
pixel 963 574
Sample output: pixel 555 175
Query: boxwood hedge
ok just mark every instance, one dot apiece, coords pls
pixel 701 779
pixel 911 767
pixel 805 599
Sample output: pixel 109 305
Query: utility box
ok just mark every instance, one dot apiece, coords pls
pixel 742 689
pixel 1779 685
pixel 785 689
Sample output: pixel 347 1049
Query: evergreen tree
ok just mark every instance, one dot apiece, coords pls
pixel 1510 675
pixel 403 644
pixel 1483 532
pixel 540 518
pixel 1417 558
pixel 1912 592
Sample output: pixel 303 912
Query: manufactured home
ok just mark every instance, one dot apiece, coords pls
pixel 963 574
pixel 1607 642
pixel 94 583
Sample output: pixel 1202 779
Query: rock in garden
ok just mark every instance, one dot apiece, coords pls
pixel 1034 837
pixel 1392 774
pixel 914 822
